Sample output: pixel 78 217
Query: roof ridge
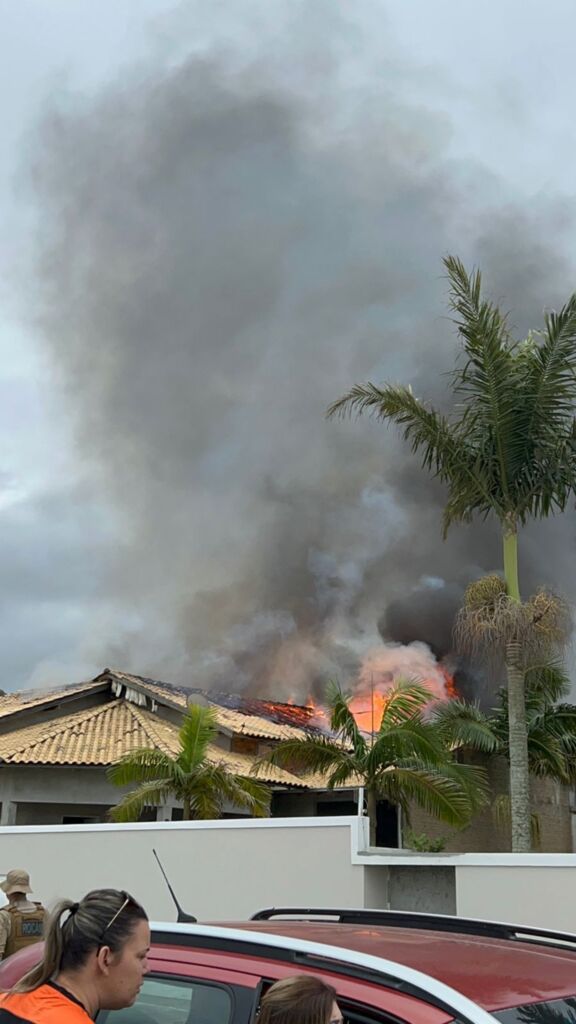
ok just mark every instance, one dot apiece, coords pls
pixel 41 693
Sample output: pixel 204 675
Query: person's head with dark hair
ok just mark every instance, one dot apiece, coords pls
pixel 94 951
pixel 302 999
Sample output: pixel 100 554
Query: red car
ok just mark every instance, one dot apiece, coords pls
pixel 388 967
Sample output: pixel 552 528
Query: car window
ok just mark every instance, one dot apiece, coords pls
pixel 558 1011
pixel 174 1001
pixel 355 1014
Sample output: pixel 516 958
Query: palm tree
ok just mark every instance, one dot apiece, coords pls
pixel 405 761
pixel 550 721
pixel 509 451
pixel 200 784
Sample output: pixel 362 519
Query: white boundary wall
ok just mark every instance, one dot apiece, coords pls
pixel 219 869
pixel 226 870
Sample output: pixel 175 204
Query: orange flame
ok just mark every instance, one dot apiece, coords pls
pixel 368 710
pixel 381 670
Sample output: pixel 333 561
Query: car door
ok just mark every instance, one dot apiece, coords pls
pixel 201 996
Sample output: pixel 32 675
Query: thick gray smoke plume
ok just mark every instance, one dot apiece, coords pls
pixel 232 234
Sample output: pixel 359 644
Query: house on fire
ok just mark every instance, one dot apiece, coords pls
pixel 56 746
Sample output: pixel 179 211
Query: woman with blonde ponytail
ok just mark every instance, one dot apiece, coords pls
pixel 95 958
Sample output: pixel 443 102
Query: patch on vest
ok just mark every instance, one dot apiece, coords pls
pixel 31 929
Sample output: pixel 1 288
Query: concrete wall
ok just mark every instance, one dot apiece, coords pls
pixel 543 895
pixel 218 869
pixel 226 870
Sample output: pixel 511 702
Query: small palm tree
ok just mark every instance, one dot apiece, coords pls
pixel 405 761
pixel 201 785
pixel 509 451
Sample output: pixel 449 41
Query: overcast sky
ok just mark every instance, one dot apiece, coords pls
pixel 496 80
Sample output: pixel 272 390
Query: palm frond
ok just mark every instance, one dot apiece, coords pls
pixel 198 730
pixel 487 383
pixel 144 765
pixel 214 784
pixel 205 802
pixel 314 754
pixel 465 725
pixel 474 781
pixel 150 794
pixel 551 373
pixel 436 793
pixel 560 721
pixel 547 683
pixel 412 738
pixel 546 757
pixel 342 721
pixel 347 774
pixel 444 448
pixel 404 702
pixel 241 792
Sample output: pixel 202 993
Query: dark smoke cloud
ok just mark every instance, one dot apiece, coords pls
pixel 230 237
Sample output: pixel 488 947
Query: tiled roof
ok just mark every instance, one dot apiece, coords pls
pixel 102 735
pixel 235 721
pixel 251 725
pixel 28 699
pixel 163 691
pixel 93 736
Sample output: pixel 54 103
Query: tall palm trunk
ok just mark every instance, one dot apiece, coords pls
pixel 371 807
pixel 186 810
pixel 517 730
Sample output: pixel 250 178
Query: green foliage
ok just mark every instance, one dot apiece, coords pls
pixel 550 719
pixel 406 761
pixel 423 843
pixel 200 784
pixel 509 449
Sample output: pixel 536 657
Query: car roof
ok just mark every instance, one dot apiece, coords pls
pixel 495 973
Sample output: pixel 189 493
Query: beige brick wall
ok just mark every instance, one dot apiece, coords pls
pixel 549 801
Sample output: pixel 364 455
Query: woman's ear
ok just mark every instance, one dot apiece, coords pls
pixel 104 959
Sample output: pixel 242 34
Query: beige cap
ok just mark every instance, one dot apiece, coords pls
pixel 16 881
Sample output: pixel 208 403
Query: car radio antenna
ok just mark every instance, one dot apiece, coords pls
pixel 182 915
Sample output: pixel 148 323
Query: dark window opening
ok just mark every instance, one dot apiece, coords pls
pixel 386 824
pixel 328 808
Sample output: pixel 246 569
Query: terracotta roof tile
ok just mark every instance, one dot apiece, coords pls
pixel 235 721
pixel 102 735
pixel 93 736
pixel 253 725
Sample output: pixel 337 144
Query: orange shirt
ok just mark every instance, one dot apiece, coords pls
pixel 48 1004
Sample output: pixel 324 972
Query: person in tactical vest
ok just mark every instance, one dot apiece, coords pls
pixel 21 922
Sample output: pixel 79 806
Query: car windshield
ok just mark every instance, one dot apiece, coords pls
pixel 558 1011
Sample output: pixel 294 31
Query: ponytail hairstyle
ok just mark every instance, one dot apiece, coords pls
pixel 105 917
pixel 301 999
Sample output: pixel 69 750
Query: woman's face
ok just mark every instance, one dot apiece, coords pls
pixel 126 970
pixel 336 1015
